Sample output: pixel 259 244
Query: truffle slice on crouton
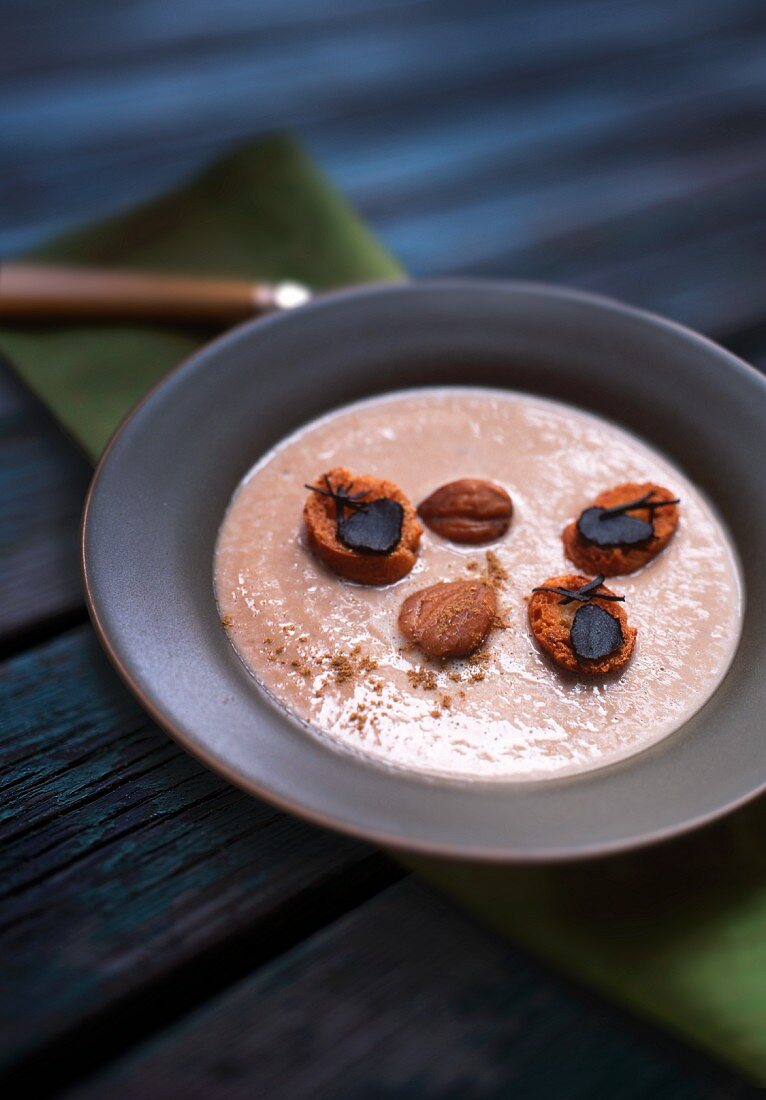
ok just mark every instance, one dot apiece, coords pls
pixel 587 634
pixel 364 528
pixel 592 540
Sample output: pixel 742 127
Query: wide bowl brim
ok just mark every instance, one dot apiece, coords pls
pixel 161 489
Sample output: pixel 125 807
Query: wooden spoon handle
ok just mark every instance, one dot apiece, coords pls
pixel 31 292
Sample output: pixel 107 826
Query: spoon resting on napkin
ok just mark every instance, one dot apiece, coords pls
pixel 34 293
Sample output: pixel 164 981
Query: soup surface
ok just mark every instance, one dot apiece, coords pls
pixel 331 654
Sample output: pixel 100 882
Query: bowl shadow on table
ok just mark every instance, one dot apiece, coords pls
pixel 674 931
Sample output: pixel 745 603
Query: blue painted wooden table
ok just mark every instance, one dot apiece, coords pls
pixel 162 934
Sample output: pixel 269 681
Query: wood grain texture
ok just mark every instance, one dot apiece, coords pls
pixel 43 478
pixel 405 998
pixel 127 867
pixel 413 109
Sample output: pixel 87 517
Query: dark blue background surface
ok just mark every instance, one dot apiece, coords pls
pixel 615 144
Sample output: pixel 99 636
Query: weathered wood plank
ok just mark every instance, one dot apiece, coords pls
pixel 750 346
pixel 476 139
pixel 43 477
pixel 404 997
pixel 581 207
pixel 373 42
pixel 711 279
pixel 126 866
pixel 99 142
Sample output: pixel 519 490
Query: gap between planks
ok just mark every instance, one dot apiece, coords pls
pixel 136 885
pixel 98 1040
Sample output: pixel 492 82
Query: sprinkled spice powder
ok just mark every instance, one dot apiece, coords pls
pixel 342 668
pixel 422 678
pixel 497 575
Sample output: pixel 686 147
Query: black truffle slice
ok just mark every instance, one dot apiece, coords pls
pixel 602 528
pixel 374 528
pixel 595 633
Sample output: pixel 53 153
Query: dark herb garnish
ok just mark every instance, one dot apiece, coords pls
pixel 370 527
pixel 595 633
pixel 340 494
pixel 582 595
pixel 610 527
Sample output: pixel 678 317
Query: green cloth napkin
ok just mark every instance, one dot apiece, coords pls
pixel 677 933
pixel 263 213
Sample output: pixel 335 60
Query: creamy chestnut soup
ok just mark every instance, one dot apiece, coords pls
pixel 330 651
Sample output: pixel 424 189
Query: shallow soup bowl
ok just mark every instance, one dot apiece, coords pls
pixel 163 485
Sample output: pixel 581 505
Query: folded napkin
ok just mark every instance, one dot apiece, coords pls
pixel 262 214
pixel 677 933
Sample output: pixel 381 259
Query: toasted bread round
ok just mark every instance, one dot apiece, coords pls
pixel 616 560
pixel 321 519
pixel 551 623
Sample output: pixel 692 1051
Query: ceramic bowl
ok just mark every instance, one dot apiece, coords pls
pixel 163 485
